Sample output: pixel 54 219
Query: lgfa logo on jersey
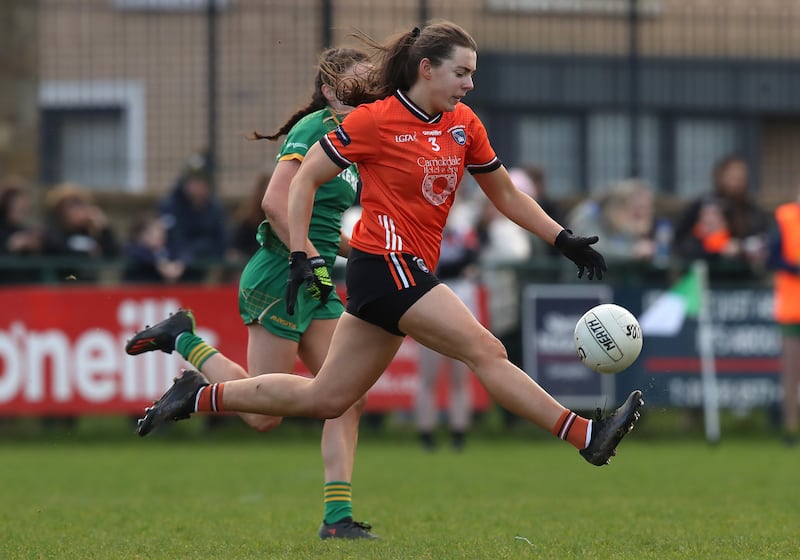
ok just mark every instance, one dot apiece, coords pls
pixel 459 134
pixel 401 138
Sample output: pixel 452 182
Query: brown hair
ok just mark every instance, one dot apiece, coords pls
pixel 333 63
pixel 396 63
pixel 66 192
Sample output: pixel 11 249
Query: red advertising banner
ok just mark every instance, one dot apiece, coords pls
pixel 62 349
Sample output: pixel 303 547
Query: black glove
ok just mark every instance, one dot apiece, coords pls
pixel 313 272
pixel 578 250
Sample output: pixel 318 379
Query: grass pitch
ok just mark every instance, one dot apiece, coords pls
pixel 179 495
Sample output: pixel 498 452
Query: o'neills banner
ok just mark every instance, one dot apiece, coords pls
pixel 62 349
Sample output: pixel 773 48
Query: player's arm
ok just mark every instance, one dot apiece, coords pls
pixel 516 205
pixel 317 168
pixel 276 198
pixel 305 264
pixel 526 212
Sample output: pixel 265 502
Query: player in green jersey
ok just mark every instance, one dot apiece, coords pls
pixel 275 337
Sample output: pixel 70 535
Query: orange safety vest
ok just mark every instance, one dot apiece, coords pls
pixel 787 284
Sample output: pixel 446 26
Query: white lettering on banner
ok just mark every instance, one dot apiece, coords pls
pixel 746 340
pixel 96 361
pixel 93 366
pixel 731 305
pixel 10 379
pixel 740 305
pixel 555 337
pixel 566 371
pixel 48 346
pixel 738 394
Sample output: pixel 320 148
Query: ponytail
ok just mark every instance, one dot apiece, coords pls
pixel 317 102
pixel 332 65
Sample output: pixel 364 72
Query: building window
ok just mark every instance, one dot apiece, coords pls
pixel 93 133
pixel 610 149
pixel 699 143
pixel 554 143
pixel 84 146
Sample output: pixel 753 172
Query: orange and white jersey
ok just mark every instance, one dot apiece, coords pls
pixel 411 164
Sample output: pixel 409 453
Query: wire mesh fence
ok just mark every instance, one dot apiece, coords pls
pixel 595 90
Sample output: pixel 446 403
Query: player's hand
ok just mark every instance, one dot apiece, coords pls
pixel 322 285
pixel 313 273
pixel 578 250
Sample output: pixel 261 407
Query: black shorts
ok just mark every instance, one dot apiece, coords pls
pixel 381 288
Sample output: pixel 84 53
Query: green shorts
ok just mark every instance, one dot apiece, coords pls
pixel 262 288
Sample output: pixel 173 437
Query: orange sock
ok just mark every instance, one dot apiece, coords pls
pixel 573 428
pixel 209 398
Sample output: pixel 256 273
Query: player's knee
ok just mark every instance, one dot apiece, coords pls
pixel 488 350
pixel 333 407
pixel 262 423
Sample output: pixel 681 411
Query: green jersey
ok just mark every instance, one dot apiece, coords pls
pixel 332 198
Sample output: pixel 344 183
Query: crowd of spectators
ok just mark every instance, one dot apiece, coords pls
pixel 189 230
pixel 178 239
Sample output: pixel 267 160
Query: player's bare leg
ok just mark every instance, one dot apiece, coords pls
pixel 460 406
pixel 359 354
pixel 268 352
pixel 441 321
pixel 339 435
pixel 218 369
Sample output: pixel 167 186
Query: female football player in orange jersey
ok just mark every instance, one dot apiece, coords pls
pixel 412 139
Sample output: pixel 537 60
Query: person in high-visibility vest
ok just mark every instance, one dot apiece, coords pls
pixel 784 258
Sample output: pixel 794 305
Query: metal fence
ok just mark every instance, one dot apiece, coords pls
pixel 595 90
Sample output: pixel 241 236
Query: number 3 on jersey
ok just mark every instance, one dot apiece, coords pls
pixel 434 146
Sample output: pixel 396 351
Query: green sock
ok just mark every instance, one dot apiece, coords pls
pixel 338 501
pixel 194 349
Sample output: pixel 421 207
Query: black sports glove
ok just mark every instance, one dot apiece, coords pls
pixel 313 273
pixel 578 250
pixel 322 286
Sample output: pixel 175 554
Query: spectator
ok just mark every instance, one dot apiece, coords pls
pixel 622 217
pixel 148 258
pixel 458 269
pixel 79 229
pixel 19 236
pixel 746 222
pixel 248 217
pixel 710 237
pixel 197 232
pixel 784 258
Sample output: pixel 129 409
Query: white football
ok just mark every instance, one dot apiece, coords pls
pixel 608 338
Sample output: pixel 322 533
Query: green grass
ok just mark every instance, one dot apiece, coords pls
pixel 182 495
